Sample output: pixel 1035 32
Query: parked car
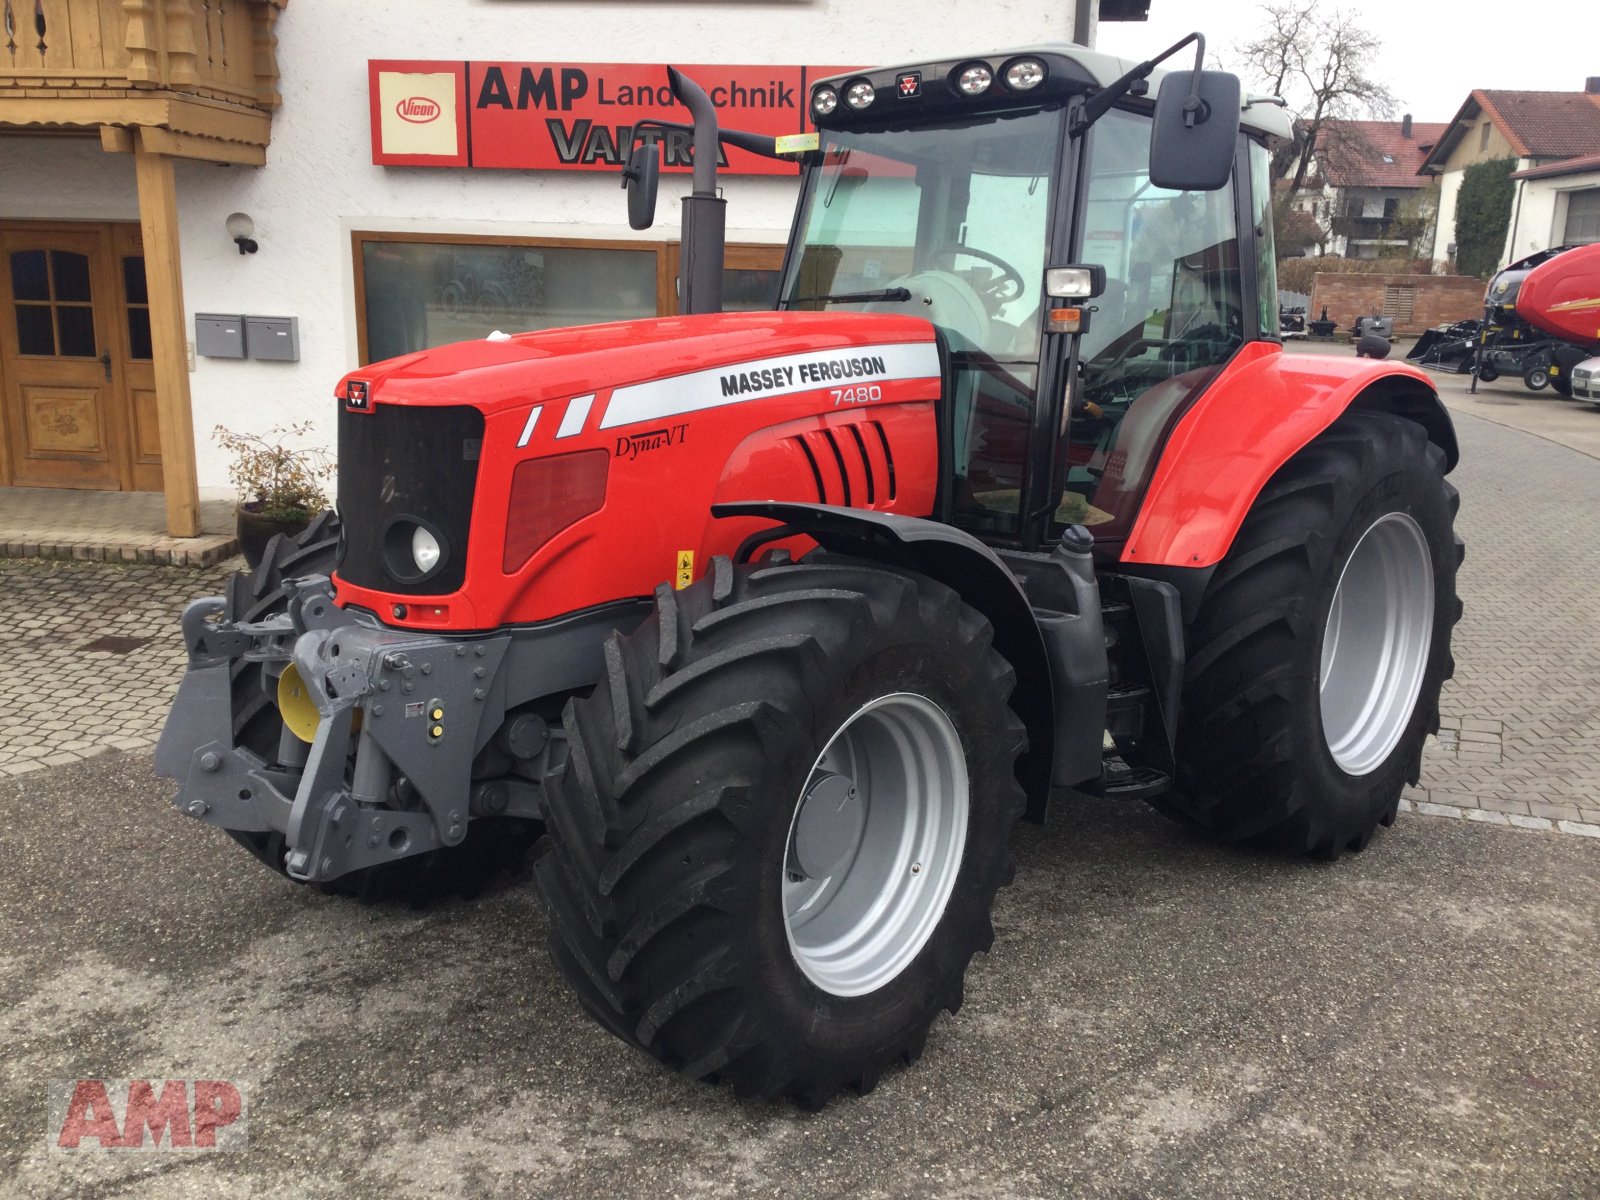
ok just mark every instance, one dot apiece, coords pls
pixel 1586 380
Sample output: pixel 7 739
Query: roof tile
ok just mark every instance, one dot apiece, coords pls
pixel 1545 124
pixel 1374 154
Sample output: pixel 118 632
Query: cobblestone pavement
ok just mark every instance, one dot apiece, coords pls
pixel 94 657
pixel 91 656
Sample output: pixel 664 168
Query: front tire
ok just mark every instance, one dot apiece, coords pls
pixel 1318 653
pixel 1536 378
pixel 783 824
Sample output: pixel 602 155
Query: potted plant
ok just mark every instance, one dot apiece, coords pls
pixel 280 486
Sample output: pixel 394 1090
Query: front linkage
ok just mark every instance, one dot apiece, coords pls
pixel 418 710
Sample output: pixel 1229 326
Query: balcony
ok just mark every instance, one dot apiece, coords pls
pixel 196 78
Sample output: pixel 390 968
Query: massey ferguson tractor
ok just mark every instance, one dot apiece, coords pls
pixel 771 625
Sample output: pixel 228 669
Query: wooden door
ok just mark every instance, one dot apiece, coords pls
pixel 143 446
pixel 77 406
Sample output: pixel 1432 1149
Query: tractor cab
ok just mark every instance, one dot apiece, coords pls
pixel 951 190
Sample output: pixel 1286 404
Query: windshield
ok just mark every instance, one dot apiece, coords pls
pixel 949 222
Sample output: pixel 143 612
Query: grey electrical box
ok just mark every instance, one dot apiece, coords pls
pixel 276 339
pixel 218 336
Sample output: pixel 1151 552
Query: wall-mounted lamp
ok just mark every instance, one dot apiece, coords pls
pixel 240 227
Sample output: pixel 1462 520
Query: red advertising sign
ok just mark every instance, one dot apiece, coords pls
pixel 570 116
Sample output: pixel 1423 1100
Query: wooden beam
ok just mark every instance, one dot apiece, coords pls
pixel 116 140
pixel 85 110
pixel 180 114
pixel 158 219
pixel 194 145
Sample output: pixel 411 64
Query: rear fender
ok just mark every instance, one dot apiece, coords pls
pixel 968 567
pixel 1263 409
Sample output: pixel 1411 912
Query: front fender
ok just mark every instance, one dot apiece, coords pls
pixel 1262 410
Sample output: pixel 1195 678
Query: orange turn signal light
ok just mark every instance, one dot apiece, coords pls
pixel 1066 320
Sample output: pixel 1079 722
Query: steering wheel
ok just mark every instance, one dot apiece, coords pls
pixel 997 289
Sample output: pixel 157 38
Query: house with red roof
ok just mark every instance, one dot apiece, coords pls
pixel 1366 193
pixel 1554 138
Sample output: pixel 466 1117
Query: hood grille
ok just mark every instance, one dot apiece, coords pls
pixel 851 464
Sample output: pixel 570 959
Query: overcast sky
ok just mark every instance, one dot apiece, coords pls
pixel 1434 54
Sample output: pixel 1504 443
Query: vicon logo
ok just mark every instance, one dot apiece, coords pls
pixel 419 110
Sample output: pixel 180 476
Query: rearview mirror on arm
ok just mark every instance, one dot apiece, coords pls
pixel 1195 131
pixel 641 177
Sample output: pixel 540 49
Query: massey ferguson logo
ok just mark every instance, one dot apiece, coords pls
pixel 419 110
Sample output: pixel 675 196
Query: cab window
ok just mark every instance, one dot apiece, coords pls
pixel 1172 313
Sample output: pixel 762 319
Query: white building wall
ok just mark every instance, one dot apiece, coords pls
pixel 65 179
pixel 1444 224
pixel 1539 213
pixel 319 183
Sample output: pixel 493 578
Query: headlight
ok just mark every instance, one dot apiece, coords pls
pixel 860 94
pixel 425 550
pixel 975 80
pixel 414 550
pixel 1024 74
pixel 824 101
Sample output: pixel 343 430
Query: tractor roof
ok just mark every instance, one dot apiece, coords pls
pixel 1091 68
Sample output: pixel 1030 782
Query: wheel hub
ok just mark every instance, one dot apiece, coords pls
pixel 828 827
pixel 875 844
pixel 1376 643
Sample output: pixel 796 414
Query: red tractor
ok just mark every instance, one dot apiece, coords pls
pixel 772 625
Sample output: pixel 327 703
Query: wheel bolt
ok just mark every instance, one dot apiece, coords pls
pixel 916 868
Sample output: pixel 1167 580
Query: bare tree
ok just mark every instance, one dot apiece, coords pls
pixel 1318 60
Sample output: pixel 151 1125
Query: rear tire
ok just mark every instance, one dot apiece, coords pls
pixel 680 875
pixel 1536 378
pixel 1318 653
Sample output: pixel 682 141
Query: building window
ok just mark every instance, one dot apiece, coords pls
pixel 1483 136
pixel 414 291
pixel 1399 302
pixel 1583 217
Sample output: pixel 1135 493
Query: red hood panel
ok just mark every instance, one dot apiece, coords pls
pixel 553 363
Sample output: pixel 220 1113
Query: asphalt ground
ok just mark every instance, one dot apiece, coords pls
pixel 1159 1016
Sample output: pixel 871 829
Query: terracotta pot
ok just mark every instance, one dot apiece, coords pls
pixel 256 530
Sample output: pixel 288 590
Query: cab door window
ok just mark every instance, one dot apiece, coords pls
pixel 1171 315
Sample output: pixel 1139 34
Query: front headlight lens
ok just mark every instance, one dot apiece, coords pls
pixel 425 550
pixel 1025 75
pixel 975 80
pixel 860 94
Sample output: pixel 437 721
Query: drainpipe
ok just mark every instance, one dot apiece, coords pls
pixel 1516 219
pixel 1082 21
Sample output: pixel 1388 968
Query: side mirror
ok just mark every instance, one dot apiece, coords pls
pixel 640 177
pixel 1196 127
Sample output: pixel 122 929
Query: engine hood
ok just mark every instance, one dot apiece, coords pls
pixel 495 375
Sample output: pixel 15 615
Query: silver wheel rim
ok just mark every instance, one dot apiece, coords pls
pixel 875 844
pixel 1375 646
